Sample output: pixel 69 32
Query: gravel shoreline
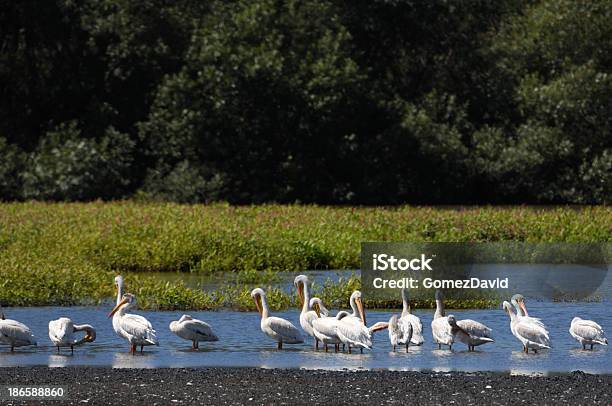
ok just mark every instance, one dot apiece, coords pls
pixel 230 386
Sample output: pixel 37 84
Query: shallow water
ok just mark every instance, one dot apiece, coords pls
pixel 243 344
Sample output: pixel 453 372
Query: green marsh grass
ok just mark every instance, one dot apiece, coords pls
pixel 68 253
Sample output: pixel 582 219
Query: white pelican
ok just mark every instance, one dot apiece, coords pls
pixel 134 328
pixel 470 332
pixel 325 329
pixel 407 317
pixel 307 315
pixel 316 304
pixel 587 332
pixel 119 286
pixel 14 333
pixel 440 328
pixel 279 329
pixel 399 333
pixel 193 330
pixel 352 329
pixel 62 333
pixel 531 335
pixel 521 310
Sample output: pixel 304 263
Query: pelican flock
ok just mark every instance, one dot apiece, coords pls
pixel 63 333
pixel 346 329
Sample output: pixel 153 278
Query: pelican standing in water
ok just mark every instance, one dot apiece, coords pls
pixel 440 328
pixel 134 328
pixel 281 330
pixel 470 332
pixel 415 322
pixel 587 332
pixel 325 330
pixel 307 315
pixel 399 333
pixel 530 334
pixel 62 333
pixel 14 333
pixel 352 329
pixel 193 330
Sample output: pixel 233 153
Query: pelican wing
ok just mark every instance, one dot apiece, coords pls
pixel 532 332
pixel 16 333
pixel 60 329
pixel 588 330
pixel 137 326
pixel 417 329
pixel 474 328
pixel 284 328
pixel 200 328
pixel 354 334
pixel 310 316
pixel 442 331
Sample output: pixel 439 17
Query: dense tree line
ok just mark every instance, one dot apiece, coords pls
pixel 370 102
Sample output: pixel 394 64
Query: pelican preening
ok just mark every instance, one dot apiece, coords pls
pixel 276 328
pixel 134 328
pixel 470 332
pixel 587 332
pixel 14 333
pixel 193 330
pixel 415 322
pixel 62 333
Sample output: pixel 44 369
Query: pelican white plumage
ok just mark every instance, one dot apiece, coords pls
pixel 307 315
pixel 316 304
pixel 530 334
pixel 281 330
pixel 470 332
pixel 415 322
pixel 15 333
pixel 352 329
pixel 62 333
pixel 325 329
pixel 440 328
pixel 399 333
pixel 587 332
pixel 134 328
pixel 119 286
pixel 193 330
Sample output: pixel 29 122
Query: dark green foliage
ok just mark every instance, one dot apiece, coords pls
pixel 373 102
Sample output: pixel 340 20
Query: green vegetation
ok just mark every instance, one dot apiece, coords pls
pixel 312 101
pixel 69 253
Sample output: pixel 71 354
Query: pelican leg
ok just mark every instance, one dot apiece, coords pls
pixel 325 346
pixel 361 349
pixel 141 347
pixel 450 347
pixel 133 349
pixel 535 351
pixel 58 350
pixel 12 349
pixel 350 349
pixel 193 344
pixel 72 349
pixel 280 345
pixel 591 347
pixel 406 347
pixel 439 346
pixel 584 346
pixel 336 347
pixel 394 348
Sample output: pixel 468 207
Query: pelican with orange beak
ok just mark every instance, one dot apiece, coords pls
pixel 281 330
pixel 134 328
pixel 308 314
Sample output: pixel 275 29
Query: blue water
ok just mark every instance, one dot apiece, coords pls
pixel 243 344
